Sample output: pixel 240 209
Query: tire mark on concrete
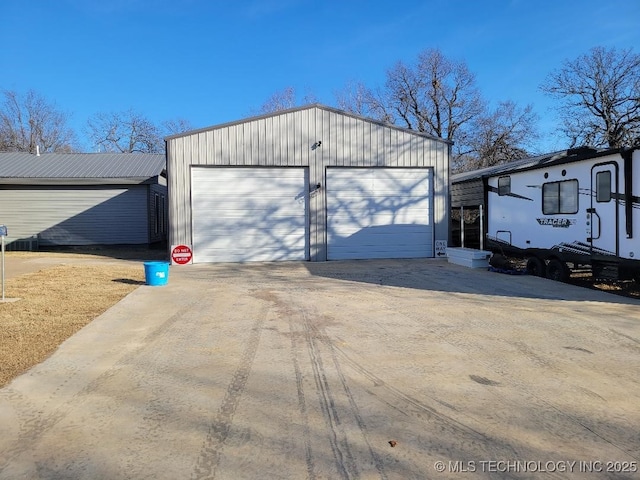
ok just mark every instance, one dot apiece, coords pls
pixel 337 437
pixel 379 465
pixel 294 335
pixel 209 459
pixel 302 404
pixel 407 399
pixel 407 405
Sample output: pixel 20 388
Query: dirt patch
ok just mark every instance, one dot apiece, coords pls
pixel 584 278
pixel 54 304
pixel 625 288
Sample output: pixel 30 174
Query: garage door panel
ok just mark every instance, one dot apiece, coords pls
pixel 286 233
pixel 385 231
pixel 390 194
pixel 379 213
pixel 255 193
pixel 355 253
pixel 230 226
pixel 250 244
pixel 225 174
pixel 392 184
pixel 249 214
pixel 249 194
pixel 386 197
pixel 378 218
pixel 266 216
pixel 386 216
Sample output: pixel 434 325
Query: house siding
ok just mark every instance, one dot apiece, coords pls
pixel 286 139
pixel 66 215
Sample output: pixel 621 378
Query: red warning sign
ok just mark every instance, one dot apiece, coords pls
pixel 181 254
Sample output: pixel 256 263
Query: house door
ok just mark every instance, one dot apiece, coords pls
pixel 603 216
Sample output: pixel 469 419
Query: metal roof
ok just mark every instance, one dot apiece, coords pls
pixel 548 159
pixel 136 167
pixel 307 107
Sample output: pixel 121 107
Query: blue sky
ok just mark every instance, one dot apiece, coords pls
pixel 214 61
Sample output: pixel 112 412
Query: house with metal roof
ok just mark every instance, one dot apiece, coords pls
pixel 72 199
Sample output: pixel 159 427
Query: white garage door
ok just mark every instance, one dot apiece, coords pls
pixel 249 214
pixel 379 213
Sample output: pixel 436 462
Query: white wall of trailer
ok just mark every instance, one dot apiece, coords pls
pixel 576 221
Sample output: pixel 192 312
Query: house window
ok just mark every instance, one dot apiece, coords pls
pixel 560 197
pixel 504 185
pixel 603 186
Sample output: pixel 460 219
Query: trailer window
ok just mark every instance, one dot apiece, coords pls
pixel 603 186
pixel 504 185
pixel 560 197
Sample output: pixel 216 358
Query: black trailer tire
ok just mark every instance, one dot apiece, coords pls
pixel 557 270
pixel 535 266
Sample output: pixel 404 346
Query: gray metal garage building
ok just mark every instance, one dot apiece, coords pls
pixel 310 183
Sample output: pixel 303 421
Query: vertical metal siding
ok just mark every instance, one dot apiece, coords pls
pixel 305 128
pixel 285 139
pixel 268 142
pixel 179 196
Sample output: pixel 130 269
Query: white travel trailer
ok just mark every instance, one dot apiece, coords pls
pixel 579 207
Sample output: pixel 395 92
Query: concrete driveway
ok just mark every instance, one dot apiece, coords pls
pixel 300 370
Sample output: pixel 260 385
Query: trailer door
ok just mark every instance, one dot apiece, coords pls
pixel 603 216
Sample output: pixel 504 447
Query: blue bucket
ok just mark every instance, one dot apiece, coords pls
pixel 156 273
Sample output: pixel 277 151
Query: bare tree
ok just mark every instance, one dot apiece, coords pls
pixel 28 122
pixel 435 95
pixel 124 132
pixel 600 97
pixel 285 99
pixel 355 98
pixel 175 126
pixel 501 136
pixel 439 96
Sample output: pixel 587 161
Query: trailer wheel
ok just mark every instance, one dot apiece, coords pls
pixel 557 270
pixel 535 266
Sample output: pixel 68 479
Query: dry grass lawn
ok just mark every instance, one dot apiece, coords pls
pixel 55 303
